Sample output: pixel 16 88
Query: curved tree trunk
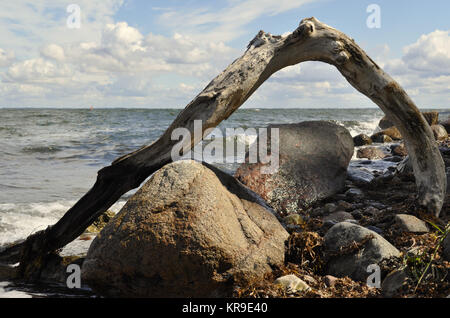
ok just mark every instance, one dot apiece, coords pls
pixel 266 54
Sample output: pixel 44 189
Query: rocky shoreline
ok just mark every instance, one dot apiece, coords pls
pixel 311 230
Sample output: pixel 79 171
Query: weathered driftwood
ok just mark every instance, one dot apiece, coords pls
pixel 266 54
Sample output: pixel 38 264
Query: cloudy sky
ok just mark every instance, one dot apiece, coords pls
pixel 161 54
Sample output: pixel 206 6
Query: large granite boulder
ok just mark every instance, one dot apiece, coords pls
pixel 313 161
pixel 188 232
pixel 352 248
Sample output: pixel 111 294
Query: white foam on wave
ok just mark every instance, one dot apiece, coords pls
pixel 19 220
pixel 6 293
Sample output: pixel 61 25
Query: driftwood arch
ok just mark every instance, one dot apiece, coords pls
pixel 266 54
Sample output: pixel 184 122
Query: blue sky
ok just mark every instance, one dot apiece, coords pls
pixel 136 53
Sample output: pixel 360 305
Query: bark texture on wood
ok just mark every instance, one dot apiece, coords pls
pixel 266 54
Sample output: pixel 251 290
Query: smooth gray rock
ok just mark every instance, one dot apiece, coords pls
pixel 393 282
pixel 338 216
pixel 409 223
pixel 355 264
pixel 188 232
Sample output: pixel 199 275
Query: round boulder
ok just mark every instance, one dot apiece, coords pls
pixel 313 161
pixel 185 234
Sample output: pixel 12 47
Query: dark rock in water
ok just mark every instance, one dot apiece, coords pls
pixel 431 117
pixel 409 223
pixel 391 132
pixel 439 131
pixel 399 150
pixel 381 138
pixel 393 159
pixel 314 157
pixel 359 176
pixel 362 140
pixel 353 262
pixel 188 232
pixel 7 272
pixel 370 153
pixel 55 269
pixel 446 248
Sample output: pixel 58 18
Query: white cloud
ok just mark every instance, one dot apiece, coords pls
pixel 430 54
pixel 227 23
pixel 53 51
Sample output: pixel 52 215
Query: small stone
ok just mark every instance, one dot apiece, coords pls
pixel 362 140
pixel 292 284
pixel 371 211
pixel 370 153
pixel 329 208
pixel 293 219
pixel 354 193
pixel 374 248
pixel 329 280
pixel 381 138
pixel 345 206
pixel 393 282
pixel 339 216
pixel 409 223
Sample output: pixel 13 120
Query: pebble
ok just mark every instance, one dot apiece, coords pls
pixel 292 284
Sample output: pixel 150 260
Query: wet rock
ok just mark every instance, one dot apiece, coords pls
pixel 348 260
pixel 393 159
pixel 381 138
pixel 362 140
pixel 357 214
pixel 392 132
pixel 399 150
pixel 314 157
pixel 385 123
pixel 446 248
pixel 370 153
pixel 439 131
pixel 393 283
pixel 359 176
pixel 292 284
pixel 188 232
pixel 409 223
pixel 339 216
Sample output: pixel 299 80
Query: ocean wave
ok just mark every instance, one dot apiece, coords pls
pixel 19 220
